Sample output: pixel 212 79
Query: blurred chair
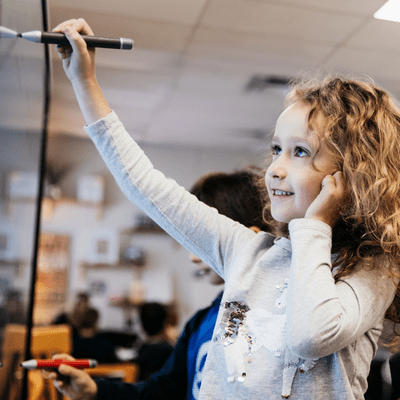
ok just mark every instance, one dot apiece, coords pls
pixel 128 372
pixel 12 350
pixel 46 341
pixel 36 385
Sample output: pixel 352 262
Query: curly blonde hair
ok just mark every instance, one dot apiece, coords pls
pixel 362 129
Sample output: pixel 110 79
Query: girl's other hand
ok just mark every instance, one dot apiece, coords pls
pixel 72 382
pixel 78 60
pixel 327 206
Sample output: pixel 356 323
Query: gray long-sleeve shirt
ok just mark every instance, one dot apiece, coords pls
pixel 285 328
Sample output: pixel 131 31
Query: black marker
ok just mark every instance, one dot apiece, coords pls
pixel 91 41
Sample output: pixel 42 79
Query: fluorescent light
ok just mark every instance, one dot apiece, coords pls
pixel 390 11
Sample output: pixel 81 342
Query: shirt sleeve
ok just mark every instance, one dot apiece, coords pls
pixel 199 228
pixel 170 382
pixel 324 316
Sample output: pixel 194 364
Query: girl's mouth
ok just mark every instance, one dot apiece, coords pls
pixel 277 192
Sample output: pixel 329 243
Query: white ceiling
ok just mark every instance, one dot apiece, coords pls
pixel 184 82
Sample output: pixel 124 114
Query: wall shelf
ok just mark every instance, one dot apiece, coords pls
pixel 110 266
pixel 16 264
pixel 50 204
pixel 86 266
pixel 143 230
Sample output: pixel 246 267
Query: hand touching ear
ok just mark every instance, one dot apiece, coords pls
pixel 327 206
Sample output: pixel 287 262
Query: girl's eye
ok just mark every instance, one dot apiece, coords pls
pixel 300 152
pixel 276 150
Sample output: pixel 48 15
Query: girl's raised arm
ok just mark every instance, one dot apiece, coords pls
pixel 78 63
pixel 196 226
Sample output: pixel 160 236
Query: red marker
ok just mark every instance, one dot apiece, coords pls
pixel 37 364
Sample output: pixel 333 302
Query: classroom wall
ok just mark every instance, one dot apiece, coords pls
pixel 18 152
pixel 167 267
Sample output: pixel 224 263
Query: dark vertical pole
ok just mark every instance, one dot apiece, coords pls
pixel 42 167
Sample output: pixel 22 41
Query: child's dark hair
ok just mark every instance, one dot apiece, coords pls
pixel 90 318
pixel 236 195
pixel 153 317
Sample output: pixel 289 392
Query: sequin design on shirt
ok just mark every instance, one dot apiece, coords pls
pixel 233 330
pixel 243 331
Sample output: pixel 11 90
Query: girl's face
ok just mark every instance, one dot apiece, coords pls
pixel 291 181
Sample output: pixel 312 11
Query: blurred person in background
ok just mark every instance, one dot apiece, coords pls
pixel 88 344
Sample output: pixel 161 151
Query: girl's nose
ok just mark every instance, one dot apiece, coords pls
pixel 277 169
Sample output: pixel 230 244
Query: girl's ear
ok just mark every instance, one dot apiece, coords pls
pixel 255 229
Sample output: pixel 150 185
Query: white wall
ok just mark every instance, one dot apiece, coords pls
pixel 184 165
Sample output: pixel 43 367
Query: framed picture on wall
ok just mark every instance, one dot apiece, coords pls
pixel 103 247
pixel 23 185
pixel 90 188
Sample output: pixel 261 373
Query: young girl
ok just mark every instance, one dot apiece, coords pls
pixel 299 317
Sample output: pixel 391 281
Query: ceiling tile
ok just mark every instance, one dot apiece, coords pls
pixel 283 21
pixel 207 76
pixel 207 114
pixel 379 66
pixel 358 7
pixel 379 35
pixel 184 12
pixel 242 46
pixel 146 33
